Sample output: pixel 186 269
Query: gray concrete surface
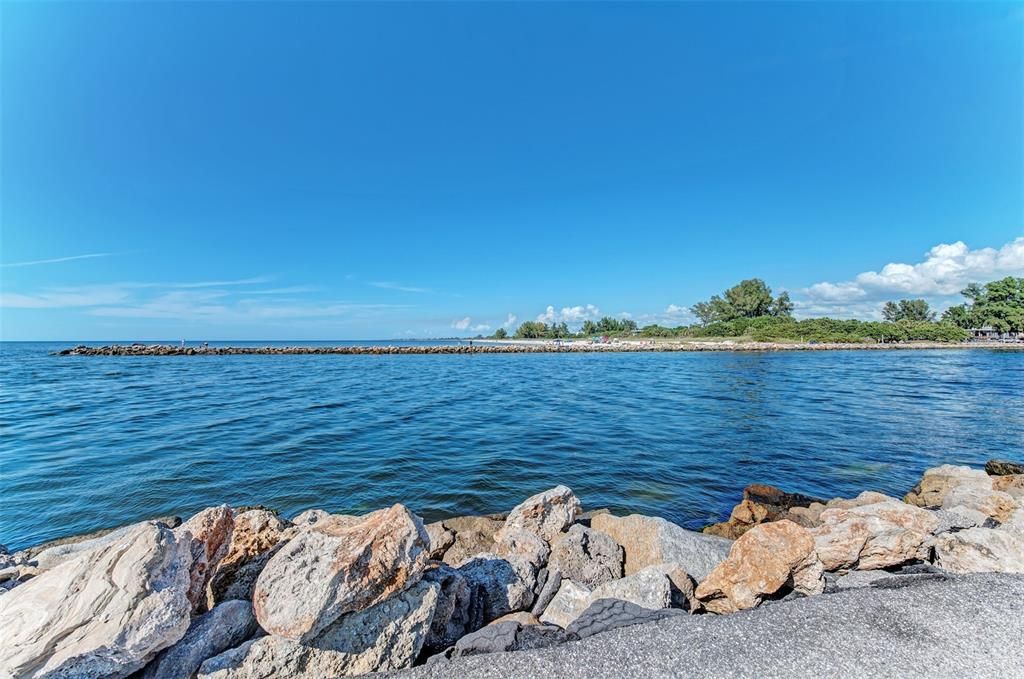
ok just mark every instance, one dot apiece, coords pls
pixel 970 626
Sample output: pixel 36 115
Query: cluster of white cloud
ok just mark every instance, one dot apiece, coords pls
pixel 570 314
pixel 466 323
pixel 946 269
pixel 510 321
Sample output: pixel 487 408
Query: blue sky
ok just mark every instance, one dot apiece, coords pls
pixel 327 171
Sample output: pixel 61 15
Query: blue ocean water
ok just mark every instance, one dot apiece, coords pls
pixel 92 442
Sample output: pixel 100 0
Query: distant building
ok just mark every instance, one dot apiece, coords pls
pixel 987 332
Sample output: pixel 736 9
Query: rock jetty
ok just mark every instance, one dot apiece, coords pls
pixel 231 594
pixel 635 346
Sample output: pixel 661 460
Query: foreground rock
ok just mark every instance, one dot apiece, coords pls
pixel 980 550
pixel 873 536
pixel 768 559
pixel 545 514
pixel 328 570
pixel 210 634
pixel 504 637
pixel 472 535
pixel 256 533
pixel 209 534
pixel 500 585
pixel 653 588
pixel 104 613
pixel 649 541
pixel 386 636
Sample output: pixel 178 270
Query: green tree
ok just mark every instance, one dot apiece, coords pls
pixel 500 333
pixel 704 312
pixel 782 307
pixel 999 304
pixel 908 310
pixel 532 330
pixel 750 298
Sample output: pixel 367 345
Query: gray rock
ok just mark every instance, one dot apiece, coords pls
pixel 31 554
pixel 210 634
pixel 104 613
pixel 609 614
pixel 440 539
pixel 980 550
pixel 957 518
pixel 500 584
pixel 648 588
pixel 458 612
pixel 588 556
pixel 568 604
pixel 547 592
pixel 386 636
pixel 647 541
pixel 1003 468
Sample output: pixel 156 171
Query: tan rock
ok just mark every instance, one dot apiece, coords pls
pixel 868 497
pixel 648 541
pixel 473 535
pixel 328 570
pixel 545 514
pixel 522 617
pixel 1013 484
pixel 210 531
pixel 767 559
pixel 440 539
pixel 873 536
pixel 762 503
pixel 937 482
pixel 992 503
pixel 104 613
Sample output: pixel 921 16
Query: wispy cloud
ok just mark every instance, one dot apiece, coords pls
pixel 462 323
pixel 57 260
pixel 391 285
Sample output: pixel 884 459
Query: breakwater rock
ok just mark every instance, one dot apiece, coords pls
pixel 230 594
pixel 636 346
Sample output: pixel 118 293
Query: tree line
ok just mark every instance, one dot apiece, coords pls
pixel 750 310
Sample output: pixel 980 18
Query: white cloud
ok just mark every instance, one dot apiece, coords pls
pixel 391 285
pixel 947 268
pixel 510 321
pixel 56 260
pixel 480 328
pixel 66 297
pixel 462 323
pixel 570 314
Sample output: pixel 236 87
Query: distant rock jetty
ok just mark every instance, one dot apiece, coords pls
pixel 509 348
pixel 235 594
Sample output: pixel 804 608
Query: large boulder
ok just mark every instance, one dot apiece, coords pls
pixel 980 550
pixel 648 541
pixel 768 559
pixel 210 533
pixel 54 552
pixel 104 613
pixel 500 584
pixel 257 533
pixel 1013 484
pixel 588 556
pixel 994 504
pixel 511 541
pixel 441 539
pixel 761 504
pixel 1003 467
pixel 873 536
pixel 937 482
pixel 472 535
pixel 210 634
pixel 568 604
pixel 545 514
pixel 386 636
pixel 328 570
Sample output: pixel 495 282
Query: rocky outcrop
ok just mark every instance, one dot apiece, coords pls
pixel 209 533
pixel 545 514
pixel 648 541
pixel 1003 467
pixel 588 556
pixel 210 634
pixel 328 570
pixel 767 560
pixel 937 482
pixel 386 636
pixel 980 550
pixel 256 534
pixel 873 536
pixel 761 504
pixel 104 613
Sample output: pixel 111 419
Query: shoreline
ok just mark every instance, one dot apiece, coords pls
pixel 241 592
pixel 490 346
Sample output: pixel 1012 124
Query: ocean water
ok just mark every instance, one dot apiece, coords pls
pixel 92 442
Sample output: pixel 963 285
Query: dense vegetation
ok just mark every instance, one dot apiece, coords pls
pixel 750 311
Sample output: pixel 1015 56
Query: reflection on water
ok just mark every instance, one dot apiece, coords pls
pixel 92 442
